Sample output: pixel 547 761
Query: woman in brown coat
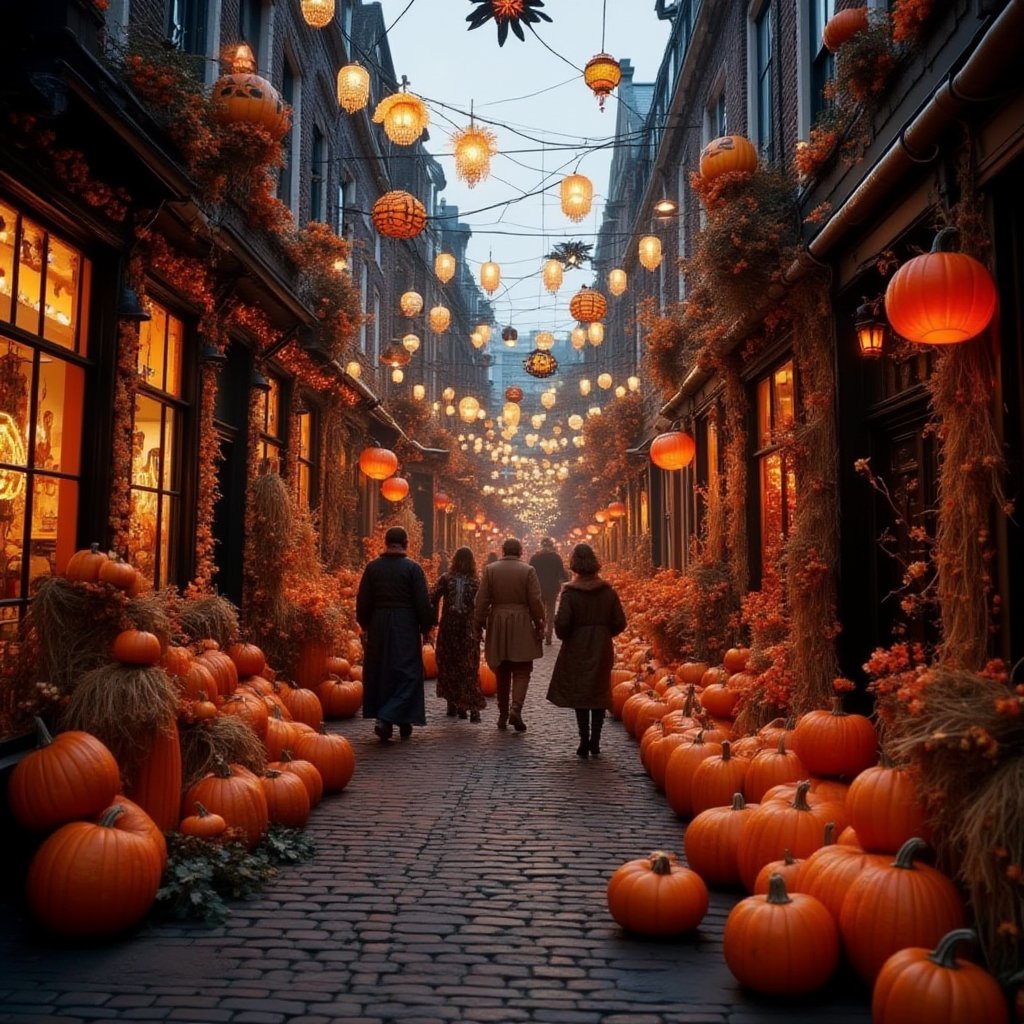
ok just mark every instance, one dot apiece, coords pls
pixel 589 615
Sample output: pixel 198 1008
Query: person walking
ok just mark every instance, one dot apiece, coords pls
pixel 458 642
pixel 589 615
pixel 551 572
pixel 509 606
pixel 394 612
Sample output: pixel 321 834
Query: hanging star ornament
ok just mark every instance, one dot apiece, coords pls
pixel 507 14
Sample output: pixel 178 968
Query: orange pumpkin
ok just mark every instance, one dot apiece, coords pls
pixel 305 707
pixel 156 787
pixel 735 659
pixel 250 709
pixel 84 566
pixel 655 895
pixel 177 660
pixel 716 779
pixel 711 841
pixel 828 873
pixel 337 666
pixel 884 809
pixel 770 768
pixel 679 770
pixel 718 699
pixel 237 796
pixel 691 672
pixel 223 670
pixel 250 99
pixel 487 679
pixel 288 800
pixel 248 658
pixel 429 662
pixel 331 753
pixel 203 824
pixel 788 869
pixel 305 770
pixel 730 154
pixel 341 698
pixel 843 26
pixel 118 574
pixel 835 743
pixel 136 647
pixel 197 681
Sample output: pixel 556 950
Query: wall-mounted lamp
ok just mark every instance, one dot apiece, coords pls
pixel 211 355
pixel 129 307
pixel 258 382
pixel 871 327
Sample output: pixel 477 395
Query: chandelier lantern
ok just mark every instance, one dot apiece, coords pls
pixel 444 267
pixel 353 87
pixel 411 303
pixel 577 193
pixel 552 275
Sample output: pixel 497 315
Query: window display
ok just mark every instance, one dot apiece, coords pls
pixel 271 437
pixel 776 403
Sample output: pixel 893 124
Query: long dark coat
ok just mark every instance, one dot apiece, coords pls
pixel 393 608
pixel 458 645
pixel 589 615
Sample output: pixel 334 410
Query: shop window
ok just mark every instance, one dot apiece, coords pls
pixel 306 460
pixel 156 460
pixel 271 443
pixel 776 408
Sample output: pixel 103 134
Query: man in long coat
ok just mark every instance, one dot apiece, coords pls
pixel 510 607
pixel 393 609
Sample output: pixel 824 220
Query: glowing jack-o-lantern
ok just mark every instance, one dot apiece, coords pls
pixel 244 97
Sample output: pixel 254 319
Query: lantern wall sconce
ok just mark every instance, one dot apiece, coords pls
pixel 871 327
pixel 666 207
pixel 129 307
pixel 258 382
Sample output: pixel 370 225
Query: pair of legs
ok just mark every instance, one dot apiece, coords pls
pixel 385 729
pixel 513 682
pixel 590 722
pixel 549 615
pixel 454 709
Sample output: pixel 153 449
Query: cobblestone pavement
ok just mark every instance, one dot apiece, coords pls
pixel 460 877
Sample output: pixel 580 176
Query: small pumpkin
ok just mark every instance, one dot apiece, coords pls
pixel 730 154
pixel 655 895
pixel 280 736
pixel 718 698
pixel 429 662
pixel 236 795
pixel 84 566
pixel 118 574
pixel 487 680
pixel 203 824
pixel 223 670
pixel 788 869
pixel 735 659
pixel 136 647
pixel 204 709
pixel 691 672
pixel 716 779
pixel 305 707
pixel 770 768
pixel 287 798
pixel 305 770
pixel 711 841
pixel 337 666
pixel 340 697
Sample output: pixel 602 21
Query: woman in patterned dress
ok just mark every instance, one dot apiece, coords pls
pixel 458 645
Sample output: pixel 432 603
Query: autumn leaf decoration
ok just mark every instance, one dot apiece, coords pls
pixel 507 14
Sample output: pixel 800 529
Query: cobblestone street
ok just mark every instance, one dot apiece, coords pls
pixel 460 877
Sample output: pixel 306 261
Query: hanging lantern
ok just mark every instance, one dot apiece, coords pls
pixel 595 333
pixel 448 394
pixel 411 343
pixel 378 463
pixel 620 391
pixel 537 421
pixel 601 516
pixel 513 394
pixel 674 450
pixel 942 297
pixel 511 414
pixel 440 319
pixel 397 375
pixel 594 410
pixel 485 331
pixel 479 519
pixel 395 355
pixel 317 13
pixel 552 275
pixel 593 529
pixel 411 303
pixel 577 195
pixel 602 74
pixel 617 281
pixel 545 341
pixel 473 148
pixel 575 421
pixel 540 364
pixel 353 87
pixel 633 383
pixel 449 410
pixel 476 339
pixel 588 305
pixel 419 392
pixel 244 97
pixel 468 408
pixel 604 381
pixel 578 338
pixel 616 510
pixel 490 276
pixel 584 387
pixel 444 266
pixel 510 336
pixel 650 251
pixel 871 329
pixel 404 117
pixel 441 501
pixel 395 489
pixel 353 369
pixel 399 214
pixel 548 399
pixel 729 154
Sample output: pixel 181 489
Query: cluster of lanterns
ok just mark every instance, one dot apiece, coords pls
pixel 382 464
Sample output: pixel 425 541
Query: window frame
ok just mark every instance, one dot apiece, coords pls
pixel 761 79
pixel 776 444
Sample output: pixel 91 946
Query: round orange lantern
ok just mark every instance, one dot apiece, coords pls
pixel 577 193
pixel 395 489
pixel 729 153
pixel 411 303
pixel 942 297
pixel 378 463
pixel 399 214
pixel 588 305
pixel 441 501
pixel 440 319
pixel 513 394
pixel 243 96
pixel 602 74
pixel 674 450
pixel 617 510
pixel 843 26
pixel 317 13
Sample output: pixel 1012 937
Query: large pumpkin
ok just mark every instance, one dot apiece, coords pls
pixel 341 698
pixel 331 753
pixel 305 707
pixel 305 770
pixel 250 99
pixel 835 743
pixel 770 768
pixel 730 154
pixel 679 770
pixel 399 214
pixel 236 795
pixel 223 670
pixel 655 895
pixel 288 800
pixel 156 787
pixel 250 709
pixel 711 841
pixel 843 26
pixel 884 809
pixel 311 664
pixel 828 873
pixel 248 659
pixel 716 779
pixel 84 566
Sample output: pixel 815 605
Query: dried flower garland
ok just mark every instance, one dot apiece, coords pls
pixel 208 492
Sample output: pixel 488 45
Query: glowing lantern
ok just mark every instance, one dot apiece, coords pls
pixel 650 251
pixel 404 117
pixel 600 516
pixel 604 380
pixel 12 451
pixel 595 333
pixel 511 414
pixel 411 303
pixel 448 394
pixel 353 369
pixel 545 341
pixel 411 343
pixel 353 87
pixel 317 13
pixel 575 421
pixel 490 277
pixel 617 281
pixel 513 394
pixel 244 97
pixel 578 338
pixel 473 148
pixel 395 489
pixel 468 408
pixel 633 383
pixel 871 330
pixel 444 266
pixel 552 275
pixel 617 510
pixel 419 392
pixel 378 463
pixel 584 387
pixel 476 339
pixel 620 392
pixel 588 305
pixel 449 410
pixel 399 214
pixel 577 195
pixel 593 529
pixel 548 399
pixel 729 154
pixel 485 331
pixel 602 74
pixel 441 501
pixel 397 375
pixel 674 450
pixel 510 336
pixel 440 319
pixel 594 410
pixel 537 420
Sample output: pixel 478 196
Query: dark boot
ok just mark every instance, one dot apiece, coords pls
pixel 596 725
pixel 583 724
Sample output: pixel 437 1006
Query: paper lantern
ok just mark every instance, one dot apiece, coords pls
pixel 485 331
pixel 674 450
pixel 577 195
pixel 604 380
pixel 441 501
pixel 397 375
pixel 602 74
pixel 552 275
pixel 729 154
pixel 468 408
pixel 540 364
pixel 473 148
pixel 395 489
pixel 617 281
pixel 440 319
pixel 411 343
pixel 593 529
pixel 633 383
pixel 545 341
pixel 444 266
pixel 395 355
pixel 595 333
pixel 449 410
pixel 404 117
pixel 317 13
pixel 490 277
pixel 513 394
pixel 411 303
pixel 649 250
pixel 378 463
pixel 620 391
pixel 511 414
pixel 578 338
pixel 419 392
pixel 399 214
pixel 548 399
pixel 353 87
pixel 600 516
pixel 617 510
pixel 537 421
pixel 448 394
pixel 575 421
pixel 588 305
pixel 510 336
pixel 584 387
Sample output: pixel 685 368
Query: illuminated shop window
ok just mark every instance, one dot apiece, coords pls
pixel 776 407
pixel 271 440
pixel 307 460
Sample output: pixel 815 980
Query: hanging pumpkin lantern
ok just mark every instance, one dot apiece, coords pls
pixel 510 336
pixel 444 267
pixel 441 501
pixel 602 73
pixel 540 364
pixel 588 305
pixel 440 319
pixel 617 281
pixel 552 275
pixel 473 148
pixel 674 450
pixel 317 13
pixel 595 333
pixel 649 250
pixel 578 338
pixel 617 510
pixel 399 214
pixel 353 87
pixel 511 414
pixel 728 154
pixel 942 297
pixel 411 343
pixel 404 117
pixel 513 394
pixel 544 340
pixel 843 26
pixel 395 489
pixel 411 303
pixel 244 97
pixel 490 277
pixel 577 195
pixel 604 381
pixel 378 463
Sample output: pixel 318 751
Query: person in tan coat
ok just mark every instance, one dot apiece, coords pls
pixel 510 607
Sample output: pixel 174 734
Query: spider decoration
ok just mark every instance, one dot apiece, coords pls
pixel 571 254
pixel 507 14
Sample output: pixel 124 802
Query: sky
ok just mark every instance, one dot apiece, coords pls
pixel 445 62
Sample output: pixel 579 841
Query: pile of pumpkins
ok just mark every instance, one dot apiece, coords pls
pixel 804 817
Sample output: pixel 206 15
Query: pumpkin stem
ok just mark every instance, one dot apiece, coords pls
pixel 287 755
pixel 942 954
pixel 201 811
pixel 698 740
pixel 323 728
pixel 947 240
pixel 43 735
pixel 830 833
pixel 271 773
pixel 738 803
pixel 110 815
pixel 726 750
pixel 910 849
pixel 221 768
pixel 837 707
pixel 787 857
pixel 800 800
pixel 777 890
pixel 782 744
pixel 661 862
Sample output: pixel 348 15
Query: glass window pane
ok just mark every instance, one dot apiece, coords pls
pixel 12 531
pixel 146 442
pixel 15 379
pixel 304 478
pixel 58 431
pixel 165 457
pixel 771 506
pixel 172 362
pixel 167 518
pixel 304 435
pixel 151 347
pixel 764 414
pixel 30 276
pixel 784 401
pixel 8 230
pixel 62 287
pixel 273 409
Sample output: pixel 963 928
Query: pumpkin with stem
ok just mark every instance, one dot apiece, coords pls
pixel 250 709
pixel 679 771
pixel 287 798
pixel 711 840
pixel 716 779
pixel 136 647
pixel 828 873
pixel 223 670
pixel 884 809
pixel 84 566
pixel 772 768
pixel 340 697
pixel 788 869
pixel 305 770
pixel 248 658
pixel 305 707
pixel 834 742
pixel 203 824
pixel 656 895
pixel 237 796
pixel 117 573
pixel 280 735
pixel 331 753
